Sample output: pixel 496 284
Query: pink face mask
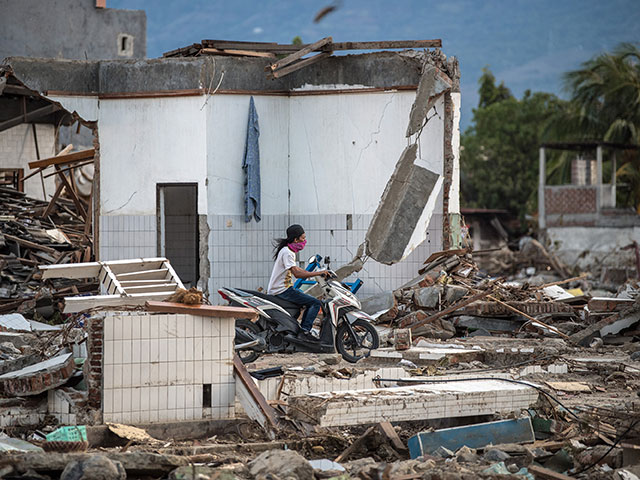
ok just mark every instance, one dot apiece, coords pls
pixel 296 247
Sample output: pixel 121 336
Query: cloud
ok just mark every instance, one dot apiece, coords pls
pixel 257 30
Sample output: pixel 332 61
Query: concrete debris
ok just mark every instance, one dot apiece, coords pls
pixel 423 402
pixel 39 377
pixel 95 467
pixel 281 464
pixel 400 222
pixel 29 237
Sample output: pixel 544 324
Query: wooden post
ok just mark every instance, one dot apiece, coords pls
pixel 542 221
pixel 598 178
pixel 614 168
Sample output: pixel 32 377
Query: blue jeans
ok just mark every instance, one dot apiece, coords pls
pixel 313 305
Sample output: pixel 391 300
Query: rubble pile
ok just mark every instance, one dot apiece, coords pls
pixel 452 297
pixel 33 233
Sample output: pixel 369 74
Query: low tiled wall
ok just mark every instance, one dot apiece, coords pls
pixel 167 367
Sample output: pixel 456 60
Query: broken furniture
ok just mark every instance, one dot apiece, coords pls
pixel 126 283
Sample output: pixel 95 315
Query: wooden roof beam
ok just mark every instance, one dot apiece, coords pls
pixel 63 159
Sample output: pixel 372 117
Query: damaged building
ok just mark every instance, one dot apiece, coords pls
pixel 170 137
pixel 32 128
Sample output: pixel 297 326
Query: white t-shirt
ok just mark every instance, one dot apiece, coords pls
pixel 281 276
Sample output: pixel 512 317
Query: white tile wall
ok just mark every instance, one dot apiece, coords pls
pixel 155 367
pixel 128 236
pixel 424 402
pixel 17 149
pixel 240 253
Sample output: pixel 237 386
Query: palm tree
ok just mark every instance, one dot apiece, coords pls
pixel 604 105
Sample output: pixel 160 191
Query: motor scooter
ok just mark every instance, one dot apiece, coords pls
pixel 344 326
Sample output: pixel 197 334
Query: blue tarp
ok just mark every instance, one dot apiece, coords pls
pixel 251 167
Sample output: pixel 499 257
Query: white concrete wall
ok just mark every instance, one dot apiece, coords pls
pixel 591 247
pixel 148 141
pixel 17 149
pixel 454 190
pixel 334 152
pixel 345 147
pixel 227 117
pixel 85 107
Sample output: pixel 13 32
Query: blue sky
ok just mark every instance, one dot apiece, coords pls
pixel 526 43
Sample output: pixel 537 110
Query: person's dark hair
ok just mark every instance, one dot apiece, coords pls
pixel 293 232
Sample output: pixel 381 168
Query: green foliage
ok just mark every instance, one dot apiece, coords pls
pixel 499 155
pixel 604 105
pixel 297 40
pixel 490 92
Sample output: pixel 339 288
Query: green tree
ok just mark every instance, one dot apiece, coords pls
pixel 490 92
pixel 499 154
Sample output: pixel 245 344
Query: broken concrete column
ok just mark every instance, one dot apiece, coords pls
pixel 432 84
pixel 400 222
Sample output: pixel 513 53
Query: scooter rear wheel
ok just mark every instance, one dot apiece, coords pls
pixel 248 355
pixel 356 343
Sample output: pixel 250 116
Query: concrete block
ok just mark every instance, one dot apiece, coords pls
pixel 432 84
pixel 403 215
pixel 37 378
pixel 473 436
pixel 428 297
pixel 453 293
pixel 422 402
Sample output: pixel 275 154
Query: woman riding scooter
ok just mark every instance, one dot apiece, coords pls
pixel 285 268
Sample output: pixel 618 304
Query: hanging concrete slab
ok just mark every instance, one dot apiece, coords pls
pixel 433 83
pixel 403 215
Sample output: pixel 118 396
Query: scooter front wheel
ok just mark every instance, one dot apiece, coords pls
pixel 248 355
pixel 356 340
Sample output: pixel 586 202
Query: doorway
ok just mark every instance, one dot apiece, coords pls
pixel 177 214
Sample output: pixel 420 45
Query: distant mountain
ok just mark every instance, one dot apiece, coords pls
pixel 526 43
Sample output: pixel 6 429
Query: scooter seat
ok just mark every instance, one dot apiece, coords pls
pixel 292 308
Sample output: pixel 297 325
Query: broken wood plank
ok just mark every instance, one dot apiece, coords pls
pixel 236 53
pixel 546 474
pixel 562 282
pixel 259 403
pixel 63 159
pixel 218 311
pixel 298 65
pixel 53 201
pixel 351 448
pixel 528 317
pixel 71 191
pixel 28 244
pixel 283 48
pixel 570 386
pixel 390 432
pixel 66 169
pixel 28 117
pixel 300 53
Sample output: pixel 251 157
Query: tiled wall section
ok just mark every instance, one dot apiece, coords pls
pixel 128 236
pixel 240 253
pixel 400 404
pixel 155 367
